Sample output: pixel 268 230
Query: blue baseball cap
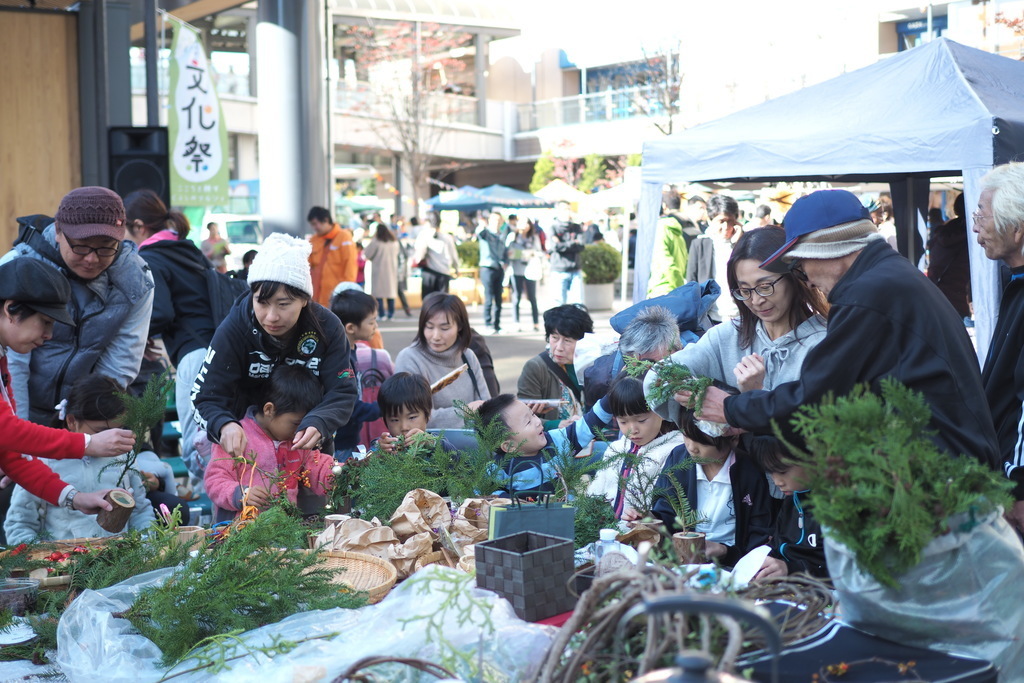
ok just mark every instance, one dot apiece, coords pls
pixel 817 211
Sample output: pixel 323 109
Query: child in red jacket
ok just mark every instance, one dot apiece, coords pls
pixel 270 465
pixel 33 296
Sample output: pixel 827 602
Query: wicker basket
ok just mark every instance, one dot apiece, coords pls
pixel 441 557
pixel 361 572
pixel 40 551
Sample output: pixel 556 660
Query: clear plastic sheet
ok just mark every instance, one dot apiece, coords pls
pixel 480 631
pixel 963 598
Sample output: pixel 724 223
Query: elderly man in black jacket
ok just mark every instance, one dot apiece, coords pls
pixel 999 224
pixel 886 320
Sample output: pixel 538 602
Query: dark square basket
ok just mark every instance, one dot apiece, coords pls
pixel 530 570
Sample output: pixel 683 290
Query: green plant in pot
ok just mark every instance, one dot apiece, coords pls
pixel 602 264
pixel 915 540
pixel 888 490
pixel 469 254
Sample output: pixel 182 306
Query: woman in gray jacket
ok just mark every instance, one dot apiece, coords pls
pixel 780 319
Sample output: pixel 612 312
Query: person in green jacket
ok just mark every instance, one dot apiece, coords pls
pixel 673 235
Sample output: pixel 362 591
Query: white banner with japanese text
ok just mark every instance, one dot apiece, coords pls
pixel 198 135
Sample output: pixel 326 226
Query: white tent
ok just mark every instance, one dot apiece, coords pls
pixel 560 191
pixel 940 109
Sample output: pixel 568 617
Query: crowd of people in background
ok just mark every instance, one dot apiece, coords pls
pixel 282 360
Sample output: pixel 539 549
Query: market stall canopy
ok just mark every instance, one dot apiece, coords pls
pixel 560 191
pixel 940 109
pixel 624 195
pixel 469 198
pixel 356 207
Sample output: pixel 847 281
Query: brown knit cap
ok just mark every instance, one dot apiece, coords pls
pixel 91 212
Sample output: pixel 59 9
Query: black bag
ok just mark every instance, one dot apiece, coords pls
pixel 542 517
pixel 223 290
pixel 30 232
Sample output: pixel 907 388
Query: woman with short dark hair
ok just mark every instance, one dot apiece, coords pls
pixel 551 374
pixel 441 346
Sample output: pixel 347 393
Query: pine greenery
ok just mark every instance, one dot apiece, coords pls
pixel 120 558
pixel 140 414
pixel 212 593
pixel 670 378
pixel 423 462
pixel 882 488
pixel 593 513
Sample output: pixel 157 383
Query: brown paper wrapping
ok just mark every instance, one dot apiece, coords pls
pixel 472 520
pixel 404 556
pixel 358 536
pixel 420 511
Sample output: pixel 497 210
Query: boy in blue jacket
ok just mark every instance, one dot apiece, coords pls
pixel 528 444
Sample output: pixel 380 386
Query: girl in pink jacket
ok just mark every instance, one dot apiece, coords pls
pixel 271 466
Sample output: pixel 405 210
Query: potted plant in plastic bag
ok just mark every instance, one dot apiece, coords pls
pixel 915 538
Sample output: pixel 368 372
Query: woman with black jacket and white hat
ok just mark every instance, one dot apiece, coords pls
pixel 278 323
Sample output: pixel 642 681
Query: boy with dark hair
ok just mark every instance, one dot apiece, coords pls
pixel 527 442
pixel 243 273
pixel 797 543
pixel 275 467
pixel 405 403
pixel 357 312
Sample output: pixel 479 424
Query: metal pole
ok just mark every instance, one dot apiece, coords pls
pixel 329 101
pixel 102 91
pixel 928 36
pixel 152 55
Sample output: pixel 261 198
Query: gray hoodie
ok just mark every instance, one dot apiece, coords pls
pixel 716 354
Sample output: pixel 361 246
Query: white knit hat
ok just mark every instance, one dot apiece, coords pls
pixel 283 258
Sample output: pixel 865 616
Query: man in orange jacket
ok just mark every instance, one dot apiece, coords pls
pixel 334 257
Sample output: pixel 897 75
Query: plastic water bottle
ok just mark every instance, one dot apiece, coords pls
pixel 605 547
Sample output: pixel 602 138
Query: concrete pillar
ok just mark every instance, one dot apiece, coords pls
pixel 105 94
pixel 292 150
pixel 482 62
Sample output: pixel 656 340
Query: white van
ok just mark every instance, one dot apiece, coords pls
pixel 243 232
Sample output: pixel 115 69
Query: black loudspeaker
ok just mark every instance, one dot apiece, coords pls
pixel 139 161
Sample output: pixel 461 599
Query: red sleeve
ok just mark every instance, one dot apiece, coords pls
pixel 33 476
pixel 22 436
pixel 19 436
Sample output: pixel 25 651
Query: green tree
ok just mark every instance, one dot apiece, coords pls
pixel 543 172
pixel 593 171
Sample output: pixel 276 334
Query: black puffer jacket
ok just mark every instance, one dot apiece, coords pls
pixel 1004 378
pixel 887 320
pixel 181 303
pixel 242 356
pixel 566 247
pixel 797 538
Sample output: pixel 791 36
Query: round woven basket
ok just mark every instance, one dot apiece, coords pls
pixel 437 557
pixel 361 572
